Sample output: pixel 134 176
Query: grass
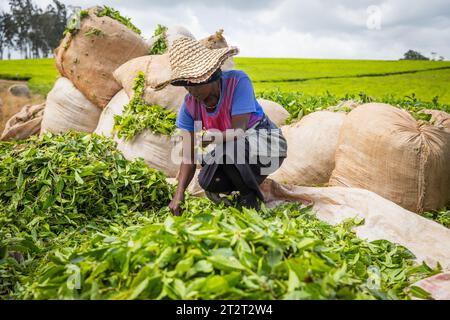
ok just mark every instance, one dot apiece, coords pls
pixel 299 104
pixel 40 73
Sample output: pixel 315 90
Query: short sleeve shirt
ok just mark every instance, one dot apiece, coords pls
pixel 237 97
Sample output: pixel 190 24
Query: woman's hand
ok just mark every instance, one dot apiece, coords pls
pixel 175 204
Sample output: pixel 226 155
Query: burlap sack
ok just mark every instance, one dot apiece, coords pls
pixel 274 111
pixel 67 108
pixel 217 41
pixel 383 219
pixel 89 58
pixel 439 118
pixel 156 69
pixel 105 124
pixel 25 123
pixel 385 150
pixel 155 149
pixel 175 32
pixel 312 144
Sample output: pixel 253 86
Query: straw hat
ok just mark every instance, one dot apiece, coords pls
pixel 193 62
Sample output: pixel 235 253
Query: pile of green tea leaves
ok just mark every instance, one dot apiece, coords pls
pixel 73 25
pixel 160 45
pixel 212 252
pixel 77 220
pixel 139 116
pixel 57 190
pixel 299 104
pixel 114 14
pixel 440 216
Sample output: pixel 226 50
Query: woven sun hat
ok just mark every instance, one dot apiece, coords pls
pixel 193 63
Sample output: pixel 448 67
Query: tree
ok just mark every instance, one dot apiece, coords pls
pixel 441 58
pixel 31 30
pixel 53 24
pixel 7 32
pixel 2 34
pixel 433 56
pixel 22 12
pixel 414 55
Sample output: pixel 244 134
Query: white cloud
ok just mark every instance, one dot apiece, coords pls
pixel 292 28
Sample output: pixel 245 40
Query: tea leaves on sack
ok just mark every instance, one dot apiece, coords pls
pixel 139 116
pixel 160 45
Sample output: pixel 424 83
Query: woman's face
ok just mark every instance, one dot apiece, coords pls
pixel 203 91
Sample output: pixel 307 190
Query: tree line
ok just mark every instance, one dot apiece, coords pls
pixel 415 55
pixel 30 30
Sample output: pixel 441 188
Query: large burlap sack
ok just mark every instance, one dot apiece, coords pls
pixel 156 69
pixel 437 286
pixel 155 149
pixel 439 118
pixel 217 41
pixel 426 239
pixel 384 149
pixel 67 108
pixel 274 111
pixel 25 123
pixel 312 144
pixel 105 124
pixel 89 57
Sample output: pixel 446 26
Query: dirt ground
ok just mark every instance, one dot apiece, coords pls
pixel 10 105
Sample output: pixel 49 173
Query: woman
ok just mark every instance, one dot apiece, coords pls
pixel 222 106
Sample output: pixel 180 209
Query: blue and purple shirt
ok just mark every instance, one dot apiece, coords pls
pixel 237 97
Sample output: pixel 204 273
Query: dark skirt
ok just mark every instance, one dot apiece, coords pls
pixel 252 166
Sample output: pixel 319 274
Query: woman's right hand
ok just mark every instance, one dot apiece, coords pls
pixel 175 204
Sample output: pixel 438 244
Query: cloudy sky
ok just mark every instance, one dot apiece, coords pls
pixel 349 29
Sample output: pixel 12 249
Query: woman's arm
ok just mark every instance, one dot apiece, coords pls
pixel 186 173
pixel 239 124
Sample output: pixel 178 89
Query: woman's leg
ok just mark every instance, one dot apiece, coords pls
pixel 234 176
pixel 219 183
